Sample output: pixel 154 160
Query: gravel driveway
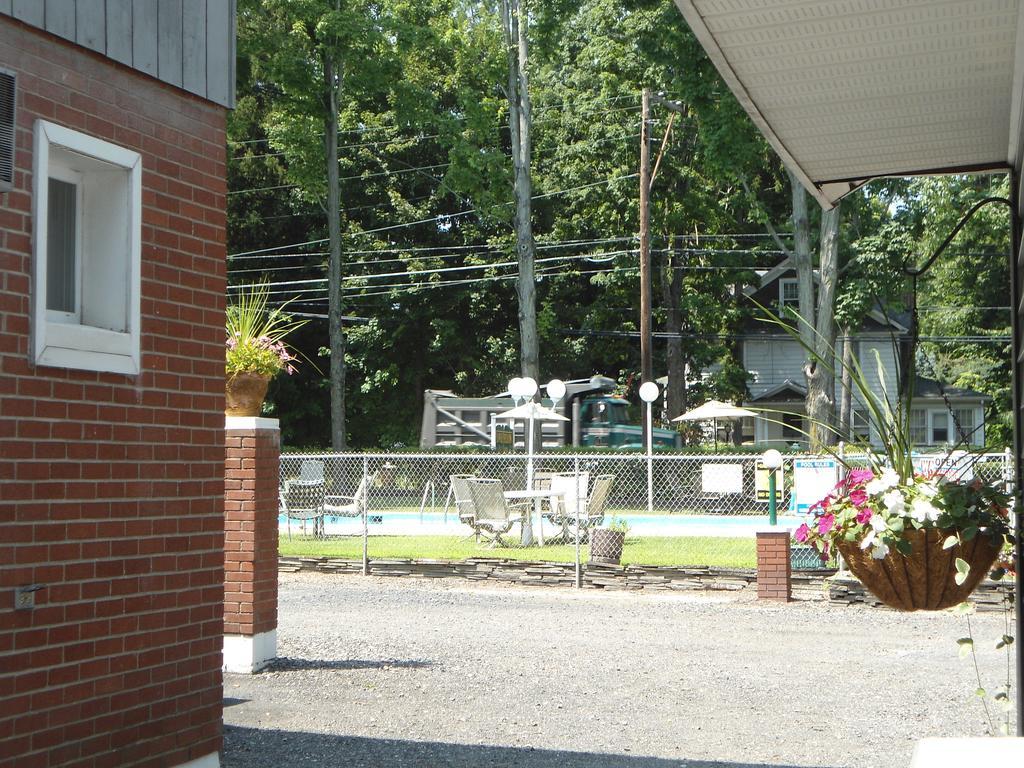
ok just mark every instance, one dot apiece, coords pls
pixel 380 672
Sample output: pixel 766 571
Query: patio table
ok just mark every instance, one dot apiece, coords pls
pixel 537 496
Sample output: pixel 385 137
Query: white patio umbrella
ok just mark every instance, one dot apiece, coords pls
pixel 531 411
pixel 713 410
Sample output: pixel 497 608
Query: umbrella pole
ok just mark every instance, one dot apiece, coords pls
pixel 715 427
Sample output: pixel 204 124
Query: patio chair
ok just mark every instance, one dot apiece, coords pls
pixel 493 515
pixel 464 506
pixel 590 513
pixel 347 506
pixel 311 470
pixel 573 488
pixel 303 500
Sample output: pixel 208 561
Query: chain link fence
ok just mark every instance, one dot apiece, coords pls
pixel 673 510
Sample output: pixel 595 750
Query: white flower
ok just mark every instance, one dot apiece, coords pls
pixel 877 523
pixel 868 540
pixel 928 490
pixel 883 482
pixel 880 550
pixel 894 503
pixel 923 510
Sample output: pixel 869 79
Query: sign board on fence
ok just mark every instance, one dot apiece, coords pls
pixel 761 483
pixel 813 480
pixel 958 465
pixel 721 478
pixel 504 437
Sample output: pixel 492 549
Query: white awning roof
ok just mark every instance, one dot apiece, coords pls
pixel 849 90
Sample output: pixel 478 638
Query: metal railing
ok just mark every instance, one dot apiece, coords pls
pixel 693 510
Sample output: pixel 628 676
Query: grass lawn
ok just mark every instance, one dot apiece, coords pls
pixel 665 550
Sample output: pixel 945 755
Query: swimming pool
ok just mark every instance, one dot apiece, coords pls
pixel 391 523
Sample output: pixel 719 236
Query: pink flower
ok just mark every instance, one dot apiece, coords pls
pixel 859 476
pixel 858 497
pixel 802 533
pixel 822 506
pixel 825 523
pixel 864 516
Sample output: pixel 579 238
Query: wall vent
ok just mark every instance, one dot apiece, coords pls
pixel 8 97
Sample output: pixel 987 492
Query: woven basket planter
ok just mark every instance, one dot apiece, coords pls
pixel 606 546
pixel 924 580
pixel 245 394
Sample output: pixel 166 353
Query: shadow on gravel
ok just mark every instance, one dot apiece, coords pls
pixel 288 664
pixel 230 702
pixel 268 748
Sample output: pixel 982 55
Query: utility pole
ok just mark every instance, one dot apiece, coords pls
pixel 646 364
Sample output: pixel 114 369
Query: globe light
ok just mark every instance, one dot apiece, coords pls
pixel 556 389
pixel 515 388
pixel 771 459
pixel 529 387
pixel 649 392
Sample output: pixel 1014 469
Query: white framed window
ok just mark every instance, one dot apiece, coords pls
pixel 918 426
pixel 789 293
pixel 860 427
pixel 940 427
pixel 967 419
pixel 87 252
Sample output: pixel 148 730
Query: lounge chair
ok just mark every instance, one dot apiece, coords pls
pixel 493 515
pixel 579 522
pixel 347 506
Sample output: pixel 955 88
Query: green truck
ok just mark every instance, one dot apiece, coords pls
pixel 596 418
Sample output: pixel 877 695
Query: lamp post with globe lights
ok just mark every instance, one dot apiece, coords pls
pixel 649 393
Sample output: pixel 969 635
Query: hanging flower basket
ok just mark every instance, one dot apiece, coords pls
pixel 245 394
pixel 926 578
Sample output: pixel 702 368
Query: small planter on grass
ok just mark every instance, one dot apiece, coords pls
pixel 606 545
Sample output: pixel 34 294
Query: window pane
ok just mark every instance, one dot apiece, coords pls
pixel 61 244
pixel 940 427
pixel 918 426
pixel 965 418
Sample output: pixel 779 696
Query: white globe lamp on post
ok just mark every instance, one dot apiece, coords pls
pixel 649 392
pixel 772 461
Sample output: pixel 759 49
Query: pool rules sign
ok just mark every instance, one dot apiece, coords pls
pixel 813 480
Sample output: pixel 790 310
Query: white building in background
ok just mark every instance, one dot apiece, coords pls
pixel 775 362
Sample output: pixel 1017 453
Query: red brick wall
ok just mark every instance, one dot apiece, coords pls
pixel 111 486
pixel 251 459
pixel 774 570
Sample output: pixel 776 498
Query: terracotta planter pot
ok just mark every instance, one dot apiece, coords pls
pixel 606 546
pixel 245 394
pixel 925 579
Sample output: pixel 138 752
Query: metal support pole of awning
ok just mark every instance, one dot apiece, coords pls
pixel 1018 435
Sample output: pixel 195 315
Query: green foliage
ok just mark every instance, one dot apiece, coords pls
pixel 256 333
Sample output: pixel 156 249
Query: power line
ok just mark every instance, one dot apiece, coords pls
pixel 436 218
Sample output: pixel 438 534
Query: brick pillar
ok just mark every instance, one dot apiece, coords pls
pixel 251 469
pixel 774 572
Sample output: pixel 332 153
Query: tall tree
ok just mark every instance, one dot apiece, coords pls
pixel 310 49
pixel 515 24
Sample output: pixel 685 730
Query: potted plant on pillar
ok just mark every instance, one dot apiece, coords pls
pixel 255 350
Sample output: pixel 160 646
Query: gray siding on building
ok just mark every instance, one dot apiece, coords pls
pixel 187 43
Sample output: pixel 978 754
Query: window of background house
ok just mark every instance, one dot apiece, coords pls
pixel 792 426
pixel 918 426
pixel 789 293
pixel 87 244
pixel 860 427
pixel 940 426
pixel 965 417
